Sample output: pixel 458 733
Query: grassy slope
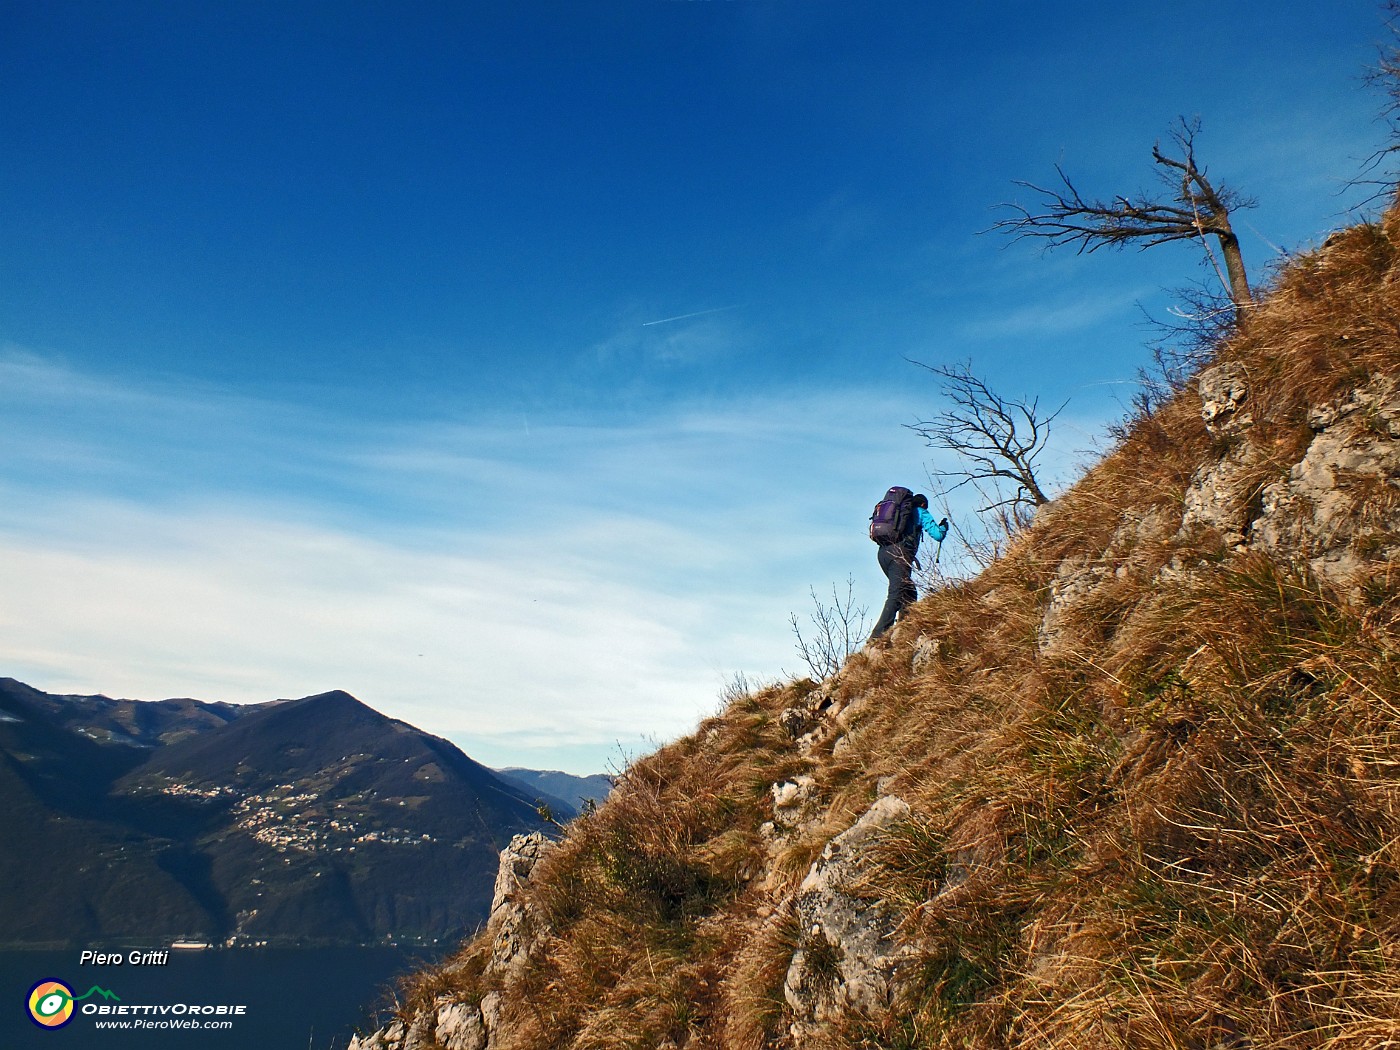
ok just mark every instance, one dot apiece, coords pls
pixel 1180 825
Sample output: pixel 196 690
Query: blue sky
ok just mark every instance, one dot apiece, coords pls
pixel 519 366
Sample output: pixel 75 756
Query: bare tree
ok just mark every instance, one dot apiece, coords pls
pixel 997 440
pixel 1196 209
pixel 841 628
pixel 979 544
pixel 1380 170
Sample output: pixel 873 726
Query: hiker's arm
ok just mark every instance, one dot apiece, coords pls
pixel 934 530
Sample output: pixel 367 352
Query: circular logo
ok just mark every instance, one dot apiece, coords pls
pixel 51 1004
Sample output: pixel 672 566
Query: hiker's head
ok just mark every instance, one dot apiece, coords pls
pixel 920 500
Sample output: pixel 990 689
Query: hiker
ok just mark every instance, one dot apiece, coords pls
pixel 900 521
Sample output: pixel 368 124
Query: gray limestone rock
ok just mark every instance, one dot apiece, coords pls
pixel 1134 549
pixel 450 1025
pixel 515 932
pixel 491 1009
pixel 804 717
pixel 847 952
pixel 925 654
pixel 511 925
pixel 1339 506
pixel 460 1026
pixel 390 1037
pixel 420 1032
pixel 1075 578
pixel 1223 389
pixel 793 801
pixel 1219 496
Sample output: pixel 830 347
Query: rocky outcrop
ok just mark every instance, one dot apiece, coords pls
pixel 459 1026
pixel 794 801
pixel 847 952
pixel 924 654
pixel 1223 390
pixel 390 1037
pixel 1076 578
pixel 1339 506
pixel 515 931
pixel 514 927
pixel 1336 507
pixel 1220 494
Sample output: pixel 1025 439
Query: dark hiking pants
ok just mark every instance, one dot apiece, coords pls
pixel 898 570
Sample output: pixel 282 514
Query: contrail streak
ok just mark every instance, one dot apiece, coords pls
pixel 697 313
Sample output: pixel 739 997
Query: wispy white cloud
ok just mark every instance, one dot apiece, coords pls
pixel 476 640
pixel 688 338
pixel 842 223
pixel 1039 319
pixel 536 598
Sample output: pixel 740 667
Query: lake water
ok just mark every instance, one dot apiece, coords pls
pixel 292 999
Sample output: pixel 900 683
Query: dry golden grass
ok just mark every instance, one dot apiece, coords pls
pixel 1179 828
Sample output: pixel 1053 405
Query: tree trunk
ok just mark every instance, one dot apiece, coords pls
pixel 1234 269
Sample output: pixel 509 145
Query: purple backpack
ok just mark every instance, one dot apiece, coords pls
pixel 890 521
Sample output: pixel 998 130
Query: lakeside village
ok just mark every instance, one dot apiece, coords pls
pixel 275 819
pixel 279 819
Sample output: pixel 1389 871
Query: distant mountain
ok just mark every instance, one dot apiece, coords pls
pixel 316 820
pixel 143 723
pixel 69 869
pixel 550 783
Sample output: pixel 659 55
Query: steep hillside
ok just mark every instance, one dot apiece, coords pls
pixel 1136 785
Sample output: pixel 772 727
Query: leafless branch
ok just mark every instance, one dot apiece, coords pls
pixel 840 627
pixel 1196 209
pixel 997 439
pixel 1379 169
pixel 1186 340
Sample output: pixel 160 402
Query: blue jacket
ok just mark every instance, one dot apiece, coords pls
pixel 921 526
pixel 931 528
